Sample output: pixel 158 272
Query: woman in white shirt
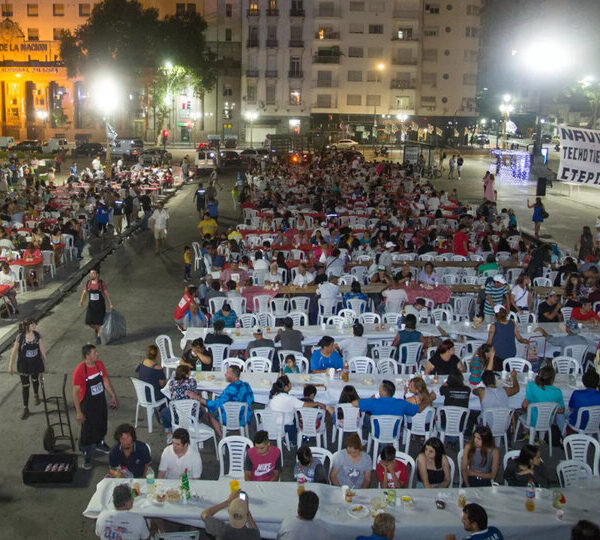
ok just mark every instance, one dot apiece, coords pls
pixel 281 402
pixel 520 297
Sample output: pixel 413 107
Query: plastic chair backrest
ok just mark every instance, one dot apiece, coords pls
pixel 387 366
pixel 298 318
pixel 593 420
pixel 516 363
pixel 420 420
pixel 236 447
pixel 369 318
pixel 258 364
pixel 387 425
pixel 218 352
pixel 577 447
pixel 247 320
pixel 572 473
pixel 351 416
pixel 266 352
pixel 498 420
pixel 566 365
pixel 141 389
pixel 410 353
pixel 361 364
pixel 455 420
pixel 309 418
pixel 233 361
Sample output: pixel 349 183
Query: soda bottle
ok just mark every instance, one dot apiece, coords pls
pixel 530 496
pixel 301 481
pixel 150 486
pixel 346 371
pixel 185 485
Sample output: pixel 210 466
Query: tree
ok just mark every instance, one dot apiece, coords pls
pixel 588 91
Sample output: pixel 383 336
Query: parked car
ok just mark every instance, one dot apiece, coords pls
pixel 253 154
pixel 344 144
pixel 53 146
pixel 481 139
pixel 90 149
pixel 152 155
pixel 28 146
pixel 6 142
pixel 204 161
pixel 128 148
pixel 230 158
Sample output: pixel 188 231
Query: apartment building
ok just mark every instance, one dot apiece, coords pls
pixel 358 64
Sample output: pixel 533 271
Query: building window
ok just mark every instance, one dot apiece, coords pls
pixel 227 34
pixel 253 6
pixel 84 10
pixel 469 104
pixel 473 9
pixel 375 52
pixel 355 76
pixel 471 56
pixel 376 29
pixel 373 76
pixel 402 102
pixel 472 31
pixel 429 79
pixel 32 10
pixel 295 65
pixel 432 9
pixel 428 102
pixel 58 10
pixel 7 10
pixel 296 33
pixel 228 10
pixel 323 101
pixel 57 33
pixel 354 99
pixel 33 34
pixel 356 6
pixel 295 96
pixel 179 9
pixel 430 55
pixel 373 100
pixel 270 95
pixel 355 52
pixel 251 94
pixel 227 91
pixel 431 31
pixel 470 78
pixel 356 28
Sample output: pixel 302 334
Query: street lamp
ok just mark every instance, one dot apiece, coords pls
pixel 106 95
pixel 251 116
pixel 506 108
pixel 381 69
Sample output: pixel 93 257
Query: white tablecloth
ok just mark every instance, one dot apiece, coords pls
pixel 270 503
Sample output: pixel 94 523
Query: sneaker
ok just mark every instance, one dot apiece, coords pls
pixel 103 447
pixel 169 438
pixel 25 414
pixel 37 399
pixel 87 464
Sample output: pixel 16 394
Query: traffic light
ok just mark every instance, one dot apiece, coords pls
pixel 165 136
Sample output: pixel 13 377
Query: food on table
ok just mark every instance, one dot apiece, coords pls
pixel 357 508
pixel 173 495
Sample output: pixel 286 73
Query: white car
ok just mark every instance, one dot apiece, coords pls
pixel 344 144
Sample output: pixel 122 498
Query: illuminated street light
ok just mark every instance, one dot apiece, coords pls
pixel 505 108
pixel 545 56
pixel 169 65
pixel 106 95
pixel 251 116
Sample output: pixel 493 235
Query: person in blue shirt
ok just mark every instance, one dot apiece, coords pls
pixel 102 215
pixel 129 457
pixel 542 389
pixel 589 397
pixel 355 292
pixel 326 357
pixel 227 315
pixel 475 521
pixel 384 527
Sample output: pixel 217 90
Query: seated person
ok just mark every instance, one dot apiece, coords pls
pixel 197 357
pixel 585 314
pixel 325 357
pixel 263 462
pixel 258 341
pixel 549 310
pixel 308 468
pixel 120 523
pixel 227 315
pixel 433 468
pixel 391 472
pixel 528 465
pixel 444 361
pixel 129 458
pixel 193 317
pixel 218 337
pixel 179 456
pixel 290 365
pixel 588 397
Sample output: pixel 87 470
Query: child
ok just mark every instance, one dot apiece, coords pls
pixel 290 365
pixel 187 263
pixel 391 472
pixel 308 394
pixel 309 468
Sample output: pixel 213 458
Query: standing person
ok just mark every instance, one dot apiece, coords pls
pixel 102 215
pixel 451 163
pixel 459 165
pixel 539 214
pixel 8 277
pixel 89 380
pixel 98 296
pixel 200 199
pixel 31 361
pixel 586 244
pixel 117 207
pixel 160 224
pixel 502 335
pixel 146 203
pixel 489 190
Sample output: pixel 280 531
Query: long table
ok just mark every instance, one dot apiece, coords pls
pixel 271 503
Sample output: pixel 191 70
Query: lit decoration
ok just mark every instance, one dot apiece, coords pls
pixel 510 166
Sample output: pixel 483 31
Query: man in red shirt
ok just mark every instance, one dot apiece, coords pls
pixel 460 242
pixel 188 297
pixel 89 380
pixel 391 472
pixel 585 313
pixel 263 463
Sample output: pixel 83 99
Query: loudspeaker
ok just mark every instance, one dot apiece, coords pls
pixel 540 190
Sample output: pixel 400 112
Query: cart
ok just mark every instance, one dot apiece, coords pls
pixel 57 419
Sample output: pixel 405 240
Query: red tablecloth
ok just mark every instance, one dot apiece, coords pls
pixel 440 295
pixel 24 262
pixel 249 293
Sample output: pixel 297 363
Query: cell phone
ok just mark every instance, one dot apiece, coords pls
pixel 243 496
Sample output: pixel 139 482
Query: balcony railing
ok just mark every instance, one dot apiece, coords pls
pixel 252 43
pixel 272 43
pixel 327 35
pixel 295 74
pixel 404 61
pixel 252 12
pixel 326 59
pixel 271 74
pixel 297 43
pixel 252 73
pixel 402 84
pixel 273 12
pixel 325 83
pixel 414 37
pixel 296 12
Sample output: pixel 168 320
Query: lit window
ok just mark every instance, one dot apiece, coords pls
pixel 84 10
pixel 7 10
pixel 32 10
pixel 295 97
pixel 33 34
pixel 58 10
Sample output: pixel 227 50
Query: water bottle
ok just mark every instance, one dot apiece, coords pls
pixel 530 496
pixel 150 486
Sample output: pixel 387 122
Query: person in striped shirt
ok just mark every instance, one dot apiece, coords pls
pixel 496 292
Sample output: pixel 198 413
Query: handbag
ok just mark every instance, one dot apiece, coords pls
pixel 545 215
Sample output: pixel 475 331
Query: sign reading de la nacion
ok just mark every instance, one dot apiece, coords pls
pixel 24 47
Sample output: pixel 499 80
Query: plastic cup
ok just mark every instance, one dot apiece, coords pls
pixel 560 514
pixel 234 485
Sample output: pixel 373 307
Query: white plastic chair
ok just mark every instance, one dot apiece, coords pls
pixel 410 464
pixel 301 362
pixel 335 321
pixel 280 307
pixel 576 351
pixel 323 456
pixel 272 423
pixel 261 303
pixel 516 363
pixel 309 417
pixel 391 317
pixel 326 308
pixel 361 364
pixel 216 303
pixel 234 410
pixel 409 355
pixel 357 305
pixel 566 311
pixel 592 428
pixel 258 364
pixel 572 473
pixel 369 318
pixel 247 320
pixel 238 304
pixel 142 389
pixel 440 315
pixel 383 351
pixel 350 421
pixel 218 352
pixel 577 447
pixel 349 315
pixel 455 422
pixel 70 249
pixel 235 448
pixel 418 426
pixel 300 303
pixel 233 361
pixel 299 318
pixel 49 261
pixel 566 365
pixel 19 272
pixel 387 366
pixel 185 414
pixel 498 419
pixel 168 360
pixel 546 411
pixel 265 352
pixel 511 454
pixel 389 428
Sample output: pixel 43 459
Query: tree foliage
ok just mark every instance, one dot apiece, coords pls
pixel 588 92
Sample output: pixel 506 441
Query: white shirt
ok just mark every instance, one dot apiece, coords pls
pixel 521 297
pixel 286 405
pixel 354 346
pixel 174 465
pixel 328 290
pixel 260 264
pixel 160 218
pixel 7 279
pixel 121 524
pixel 293 528
pixel 273 278
pixel 301 280
pixel 433 203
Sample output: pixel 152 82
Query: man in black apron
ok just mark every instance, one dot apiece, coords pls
pixel 89 397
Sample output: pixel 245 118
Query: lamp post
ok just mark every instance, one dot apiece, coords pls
pixel 251 116
pixel 381 69
pixel 506 108
pixel 106 94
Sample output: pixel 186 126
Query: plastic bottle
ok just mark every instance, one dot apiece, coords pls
pixel 185 486
pixel 530 496
pixel 345 371
pixel 301 481
pixel 150 485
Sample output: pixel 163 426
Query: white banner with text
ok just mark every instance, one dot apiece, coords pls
pixel 579 156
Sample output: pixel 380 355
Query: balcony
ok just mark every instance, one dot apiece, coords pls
pixel 252 73
pixel 404 61
pixel 253 12
pixel 325 83
pixel 271 43
pixel 297 43
pixel 412 38
pixel 251 43
pixel 271 74
pixel 296 12
pixel 406 14
pixel 326 59
pixel 327 35
pixel 273 12
pixel 403 85
pixel 328 13
pixel 295 74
